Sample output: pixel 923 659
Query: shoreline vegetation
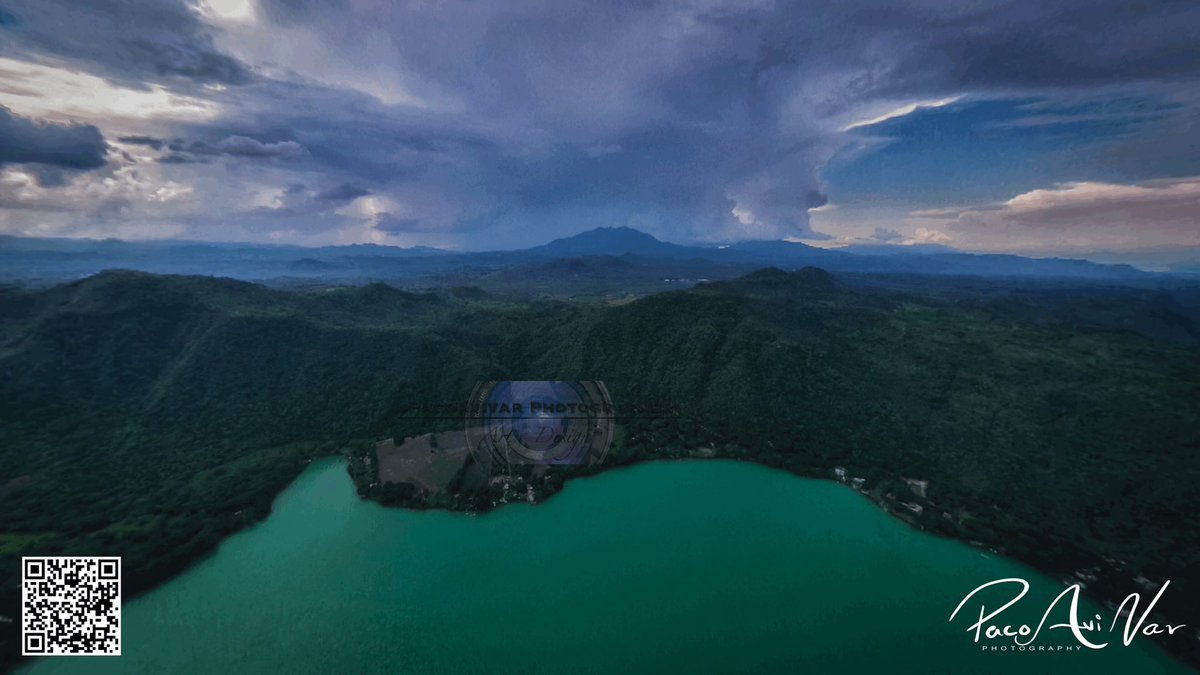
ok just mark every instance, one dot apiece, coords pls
pixel 156 415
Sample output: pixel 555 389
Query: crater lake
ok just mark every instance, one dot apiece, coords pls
pixel 690 566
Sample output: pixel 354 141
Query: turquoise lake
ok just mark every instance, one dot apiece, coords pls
pixel 689 567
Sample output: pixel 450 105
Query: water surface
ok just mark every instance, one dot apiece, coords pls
pixel 703 566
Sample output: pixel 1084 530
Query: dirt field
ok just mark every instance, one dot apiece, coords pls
pixel 428 465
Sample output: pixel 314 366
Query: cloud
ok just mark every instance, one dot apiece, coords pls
pixel 65 146
pixel 39 90
pixel 1078 217
pixel 148 141
pixel 49 176
pixel 127 41
pixel 181 158
pixel 597 151
pixel 692 119
pixel 228 10
pixel 198 152
pixel 901 111
pixel 391 224
pixel 724 112
pixel 297 198
pixel 926 235
pixel 121 199
pixel 244 146
pixel 886 235
pixel 342 193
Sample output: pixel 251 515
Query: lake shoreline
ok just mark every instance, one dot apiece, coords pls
pixel 413 575
pixel 888 504
pixel 1184 651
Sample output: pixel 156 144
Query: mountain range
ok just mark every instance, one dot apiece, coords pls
pixel 27 260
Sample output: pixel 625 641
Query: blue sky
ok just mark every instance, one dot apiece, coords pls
pixel 976 154
pixel 987 150
pixel 1065 127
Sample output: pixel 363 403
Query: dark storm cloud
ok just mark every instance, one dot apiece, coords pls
pixel 1070 44
pixel 50 176
pixel 181 158
pixel 148 141
pixel 300 200
pixel 131 41
pixel 694 119
pixel 342 193
pixel 676 114
pixel 64 146
pixel 182 152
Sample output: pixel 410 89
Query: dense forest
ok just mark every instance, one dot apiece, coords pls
pixel 148 416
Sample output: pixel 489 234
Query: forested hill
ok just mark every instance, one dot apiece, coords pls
pixel 147 416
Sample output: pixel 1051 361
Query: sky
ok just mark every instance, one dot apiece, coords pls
pixel 1065 127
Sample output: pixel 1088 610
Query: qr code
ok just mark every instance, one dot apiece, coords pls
pixel 71 606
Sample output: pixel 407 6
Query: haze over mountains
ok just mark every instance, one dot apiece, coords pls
pixel 55 260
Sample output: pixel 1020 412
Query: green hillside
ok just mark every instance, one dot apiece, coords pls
pixel 147 416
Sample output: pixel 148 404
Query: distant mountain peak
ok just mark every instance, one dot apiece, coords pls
pixel 310 265
pixel 815 277
pixel 766 274
pixel 611 234
pixel 773 281
pixel 613 241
